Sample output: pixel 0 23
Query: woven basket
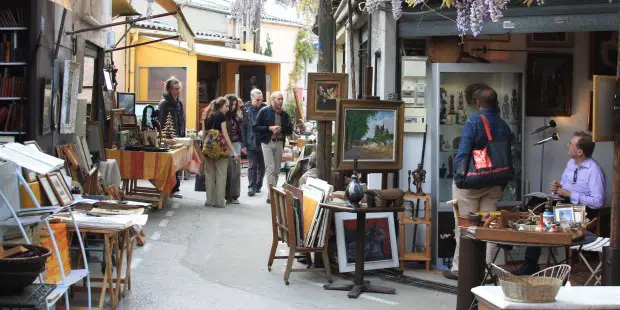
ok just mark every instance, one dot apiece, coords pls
pixel 540 287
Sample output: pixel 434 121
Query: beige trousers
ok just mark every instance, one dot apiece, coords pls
pixel 474 200
pixel 272 154
pixel 215 180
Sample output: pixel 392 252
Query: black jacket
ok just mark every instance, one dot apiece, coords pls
pixel 167 106
pixel 267 117
pixel 249 139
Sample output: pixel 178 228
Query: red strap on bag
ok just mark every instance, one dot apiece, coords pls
pixel 485 122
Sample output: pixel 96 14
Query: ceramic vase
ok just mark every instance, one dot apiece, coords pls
pixel 355 191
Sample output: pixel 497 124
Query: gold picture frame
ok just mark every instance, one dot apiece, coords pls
pixel 378 148
pixel 60 188
pixel 324 92
pixel 47 189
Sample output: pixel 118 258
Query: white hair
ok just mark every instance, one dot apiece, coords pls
pixel 275 94
pixel 255 92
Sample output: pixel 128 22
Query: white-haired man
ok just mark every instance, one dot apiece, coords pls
pixel 271 126
pixel 251 144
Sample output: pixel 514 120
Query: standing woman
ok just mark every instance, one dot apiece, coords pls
pixel 233 124
pixel 216 168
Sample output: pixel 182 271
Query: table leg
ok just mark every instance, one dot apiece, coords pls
pixel 119 247
pixel 163 197
pixel 472 256
pixel 360 286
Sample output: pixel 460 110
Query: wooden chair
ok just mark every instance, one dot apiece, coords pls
pixel 283 225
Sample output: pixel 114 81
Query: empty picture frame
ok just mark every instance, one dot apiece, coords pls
pixel 603 97
pixel 71 84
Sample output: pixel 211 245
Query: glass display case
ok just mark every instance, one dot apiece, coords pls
pixel 448 114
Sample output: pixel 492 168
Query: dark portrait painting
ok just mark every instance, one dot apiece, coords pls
pixel 603 53
pixel 327 95
pixel 549 84
pixel 378 243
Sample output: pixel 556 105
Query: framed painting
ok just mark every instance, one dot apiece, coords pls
pixel 324 91
pixel 380 250
pixel 370 131
pixel 49 192
pixel 603 53
pixel 114 127
pixel 56 91
pixel 109 100
pixel 156 78
pixel 549 84
pixel 71 84
pixel 129 120
pixel 126 101
pixel 60 189
pixel 550 39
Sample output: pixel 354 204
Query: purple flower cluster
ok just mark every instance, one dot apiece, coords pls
pixel 471 14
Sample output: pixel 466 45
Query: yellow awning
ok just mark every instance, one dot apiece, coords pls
pixel 123 8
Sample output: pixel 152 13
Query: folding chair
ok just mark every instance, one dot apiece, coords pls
pixel 283 225
pixel 596 246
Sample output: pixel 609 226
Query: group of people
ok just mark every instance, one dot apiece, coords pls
pixel 256 129
pixel 582 182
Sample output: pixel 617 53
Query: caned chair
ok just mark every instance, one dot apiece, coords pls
pixel 283 225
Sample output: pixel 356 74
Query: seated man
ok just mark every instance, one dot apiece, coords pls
pixel 311 172
pixel 583 182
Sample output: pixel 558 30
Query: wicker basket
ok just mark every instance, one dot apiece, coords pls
pixel 540 287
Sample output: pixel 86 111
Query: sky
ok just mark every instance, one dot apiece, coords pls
pixel 383 117
pixel 270 8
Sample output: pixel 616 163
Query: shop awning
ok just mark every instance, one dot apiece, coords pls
pixel 225 53
pixel 123 8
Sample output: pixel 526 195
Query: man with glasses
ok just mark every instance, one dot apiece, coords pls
pixel 583 182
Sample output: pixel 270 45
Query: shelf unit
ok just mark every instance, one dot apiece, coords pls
pixel 424 256
pixel 19 154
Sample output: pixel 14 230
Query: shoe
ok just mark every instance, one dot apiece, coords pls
pixel 258 190
pixel 233 202
pixel 268 200
pixel 216 206
pixel 449 275
pixel 208 205
pixel 527 270
pixel 251 192
pixel 177 196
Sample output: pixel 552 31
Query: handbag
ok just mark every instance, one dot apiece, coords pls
pixel 214 145
pixel 488 167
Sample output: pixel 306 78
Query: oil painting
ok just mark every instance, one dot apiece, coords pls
pixel 324 91
pixel 371 132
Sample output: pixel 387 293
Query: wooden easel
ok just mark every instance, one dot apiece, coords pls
pixel 283 225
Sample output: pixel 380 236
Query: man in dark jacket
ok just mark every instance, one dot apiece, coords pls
pixel 250 144
pixel 272 125
pixel 171 104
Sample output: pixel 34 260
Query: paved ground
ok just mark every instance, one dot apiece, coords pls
pixel 209 258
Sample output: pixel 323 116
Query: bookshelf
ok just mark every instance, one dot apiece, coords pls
pixel 14 47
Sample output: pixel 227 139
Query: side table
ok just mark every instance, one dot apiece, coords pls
pixel 359 285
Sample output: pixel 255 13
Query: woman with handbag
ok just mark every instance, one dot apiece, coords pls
pixel 216 148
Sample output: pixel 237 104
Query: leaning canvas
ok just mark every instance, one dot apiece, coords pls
pixel 71 84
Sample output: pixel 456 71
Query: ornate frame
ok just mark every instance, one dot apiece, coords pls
pixel 312 112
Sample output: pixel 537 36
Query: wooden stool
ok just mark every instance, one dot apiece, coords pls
pixel 416 256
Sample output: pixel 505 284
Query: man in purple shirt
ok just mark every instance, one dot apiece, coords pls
pixel 583 182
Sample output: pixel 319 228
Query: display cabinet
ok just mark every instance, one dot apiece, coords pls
pixel 449 111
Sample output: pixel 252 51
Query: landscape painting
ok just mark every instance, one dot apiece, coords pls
pixel 371 132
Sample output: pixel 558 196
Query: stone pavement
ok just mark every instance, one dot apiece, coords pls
pixel 209 258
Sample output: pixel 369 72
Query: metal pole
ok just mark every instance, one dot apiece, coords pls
pixel 118 23
pixel 143 43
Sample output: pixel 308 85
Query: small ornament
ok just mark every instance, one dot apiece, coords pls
pixel 168 132
pixel 409 181
pixel 450 167
pixel 444 104
pixel 419 177
pixel 514 106
pixel 442 171
pixel 505 110
pixel 461 110
pixel 451 104
pixel 354 191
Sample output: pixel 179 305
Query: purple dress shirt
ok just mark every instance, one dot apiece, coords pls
pixel 586 182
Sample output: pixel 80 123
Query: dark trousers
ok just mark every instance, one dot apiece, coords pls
pixel 256 170
pixel 176 186
pixel 233 179
pixel 532 254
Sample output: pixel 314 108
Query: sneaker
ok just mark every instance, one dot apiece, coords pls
pixel 527 270
pixel 233 201
pixel 449 275
pixel 251 192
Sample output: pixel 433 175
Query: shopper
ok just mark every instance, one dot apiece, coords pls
pixel 272 125
pixel 216 168
pixel 474 137
pixel 171 104
pixel 250 144
pixel 233 124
